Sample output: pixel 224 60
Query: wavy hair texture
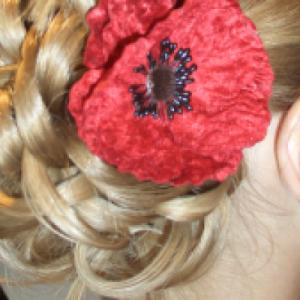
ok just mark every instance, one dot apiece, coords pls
pixel 65 214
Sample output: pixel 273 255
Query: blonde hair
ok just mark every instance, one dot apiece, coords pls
pixel 65 214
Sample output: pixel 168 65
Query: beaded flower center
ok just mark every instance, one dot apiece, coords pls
pixel 161 82
pixel 164 90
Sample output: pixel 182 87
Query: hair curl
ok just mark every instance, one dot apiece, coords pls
pixel 65 214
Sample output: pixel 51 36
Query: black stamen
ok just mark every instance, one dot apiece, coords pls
pixel 151 61
pixel 165 43
pixel 165 80
pixel 164 57
pixel 140 69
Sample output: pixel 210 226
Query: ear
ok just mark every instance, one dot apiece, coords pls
pixel 287 149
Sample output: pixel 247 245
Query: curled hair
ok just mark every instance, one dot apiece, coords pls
pixel 65 214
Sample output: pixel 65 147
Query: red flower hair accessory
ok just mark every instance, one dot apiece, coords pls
pixel 174 91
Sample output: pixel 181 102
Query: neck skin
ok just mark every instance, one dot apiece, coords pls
pixel 261 256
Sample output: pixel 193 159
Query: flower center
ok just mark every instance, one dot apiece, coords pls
pixel 161 82
pixel 164 89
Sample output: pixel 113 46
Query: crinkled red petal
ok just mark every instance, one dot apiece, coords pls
pixel 233 85
pixel 115 23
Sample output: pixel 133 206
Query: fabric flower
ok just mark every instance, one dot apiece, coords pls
pixel 173 93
